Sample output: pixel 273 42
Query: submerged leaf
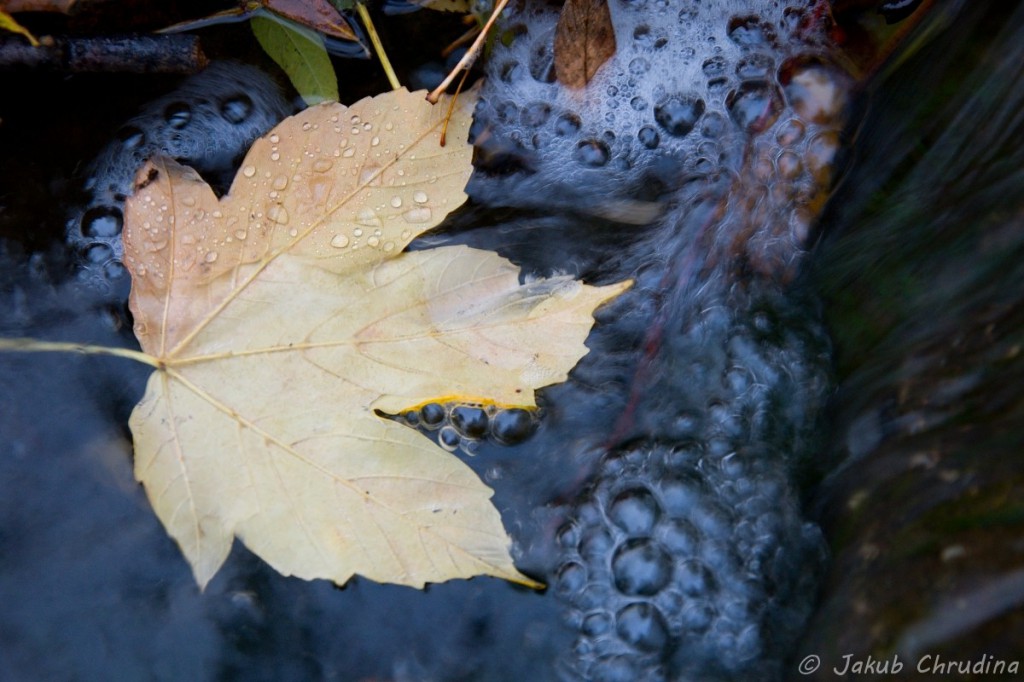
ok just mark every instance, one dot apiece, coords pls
pixel 300 52
pixel 285 314
pixel 584 40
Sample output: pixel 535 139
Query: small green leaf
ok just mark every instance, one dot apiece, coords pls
pixel 301 53
pixel 8 23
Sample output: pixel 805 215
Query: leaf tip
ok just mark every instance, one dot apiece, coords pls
pixel 526 581
pixel 610 292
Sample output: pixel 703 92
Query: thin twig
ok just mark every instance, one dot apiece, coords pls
pixel 451 107
pixel 36 346
pixel 460 41
pixel 133 53
pixel 364 14
pixel 470 56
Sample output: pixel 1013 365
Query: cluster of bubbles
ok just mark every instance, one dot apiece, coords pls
pixel 688 557
pixel 464 426
pixel 671 566
pixel 208 123
pixel 690 86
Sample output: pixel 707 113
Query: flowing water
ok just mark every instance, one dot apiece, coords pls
pixel 778 447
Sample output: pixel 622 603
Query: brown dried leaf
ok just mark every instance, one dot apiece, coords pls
pixel 584 40
pixel 319 15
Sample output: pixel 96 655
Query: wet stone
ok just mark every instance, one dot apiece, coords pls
pixel 641 567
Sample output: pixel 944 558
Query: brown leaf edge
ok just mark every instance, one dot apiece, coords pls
pixel 584 41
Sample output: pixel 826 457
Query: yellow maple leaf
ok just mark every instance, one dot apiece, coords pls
pixel 280 317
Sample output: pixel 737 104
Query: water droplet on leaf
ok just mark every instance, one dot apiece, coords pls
pixel 418 215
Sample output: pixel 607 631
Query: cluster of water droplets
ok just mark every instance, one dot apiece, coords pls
pixel 207 123
pixel 340 150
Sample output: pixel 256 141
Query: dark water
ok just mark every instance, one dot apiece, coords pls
pixel 922 275
pixel 918 490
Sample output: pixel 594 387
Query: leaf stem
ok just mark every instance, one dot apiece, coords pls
pixel 471 54
pixel 24 345
pixel 364 14
pixel 451 108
